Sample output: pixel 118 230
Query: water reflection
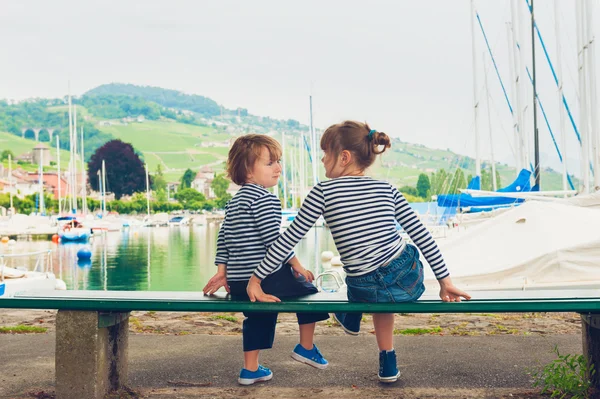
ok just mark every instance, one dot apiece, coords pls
pixel 150 259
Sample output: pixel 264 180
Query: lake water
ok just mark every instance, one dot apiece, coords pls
pixel 149 259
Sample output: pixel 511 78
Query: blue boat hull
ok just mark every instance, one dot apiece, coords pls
pixel 74 237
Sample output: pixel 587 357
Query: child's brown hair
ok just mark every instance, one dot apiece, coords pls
pixel 245 151
pixel 358 138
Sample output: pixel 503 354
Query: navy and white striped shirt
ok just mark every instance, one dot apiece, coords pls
pixel 361 213
pixel 252 223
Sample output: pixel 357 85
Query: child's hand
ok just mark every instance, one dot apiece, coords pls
pixel 217 281
pixel 256 293
pixel 299 270
pixel 449 293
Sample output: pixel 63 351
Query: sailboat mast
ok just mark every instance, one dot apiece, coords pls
pixel 302 166
pixel 561 109
pixel 70 185
pixel 593 100
pixel 83 185
pixel 313 145
pixel 294 181
pixel 41 176
pixel 283 173
pixel 147 190
pixel 475 101
pixel 583 124
pixel 536 139
pixel 487 102
pixel 75 159
pixel 10 182
pixel 516 70
pixel 103 188
pixel 58 171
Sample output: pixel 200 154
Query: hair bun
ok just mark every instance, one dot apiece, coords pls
pixel 380 139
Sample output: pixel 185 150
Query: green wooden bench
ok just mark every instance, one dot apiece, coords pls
pixel 92 326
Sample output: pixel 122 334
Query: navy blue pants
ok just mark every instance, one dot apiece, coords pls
pixel 259 327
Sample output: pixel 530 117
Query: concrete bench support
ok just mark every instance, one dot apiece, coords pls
pixel 91 353
pixel 590 331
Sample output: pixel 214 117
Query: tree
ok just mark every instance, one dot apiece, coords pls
pixel 160 195
pixel 222 201
pixel 187 196
pixel 438 182
pixel 125 172
pixel 408 190
pixel 486 179
pixel 5 155
pixel 458 182
pixel 220 185
pixel 423 185
pixel 158 181
pixel 187 179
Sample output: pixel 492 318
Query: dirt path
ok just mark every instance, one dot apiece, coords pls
pixel 179 323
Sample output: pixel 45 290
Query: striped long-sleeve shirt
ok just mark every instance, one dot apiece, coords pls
pixel 252 223
pixel 361 213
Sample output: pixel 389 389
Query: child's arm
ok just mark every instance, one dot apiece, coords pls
pixel 449 293
pixel 426 244
pixel 312 208
pixel 419 234
pixel 217 281
pixel 299 270
pixel 220 278
pixel 222 255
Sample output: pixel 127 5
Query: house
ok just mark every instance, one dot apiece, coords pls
pixel 41 154
pixel 203 180
pixel 26 157
pixel 50 183
pixel 172 188
pixel 19 184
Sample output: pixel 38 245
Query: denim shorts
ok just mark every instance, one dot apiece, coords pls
pixel 400 281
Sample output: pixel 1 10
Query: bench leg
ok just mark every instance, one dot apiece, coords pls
pixel 590 329
pixel 91 353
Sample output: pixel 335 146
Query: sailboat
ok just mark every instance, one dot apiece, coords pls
pixel 473 199
pixel 553 243
pixel 17 278
pixel 69 228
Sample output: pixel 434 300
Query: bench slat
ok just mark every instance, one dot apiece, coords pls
pixel 484 301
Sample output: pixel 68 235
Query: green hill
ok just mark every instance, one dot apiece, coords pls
pixel 20 146
pixel 180 131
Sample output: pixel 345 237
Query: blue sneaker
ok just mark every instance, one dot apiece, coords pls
pixel 388 369
pixel 248 377
pixel 350 322
pixel 311 357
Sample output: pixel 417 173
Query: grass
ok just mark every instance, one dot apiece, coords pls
pixel 81 111
pixel 232 319
pixel 19 146
pixel 418 331
pixel 21 329
pixel 163 136
pixel 500 329
pixel 189 160
pixel 153 138
pixel 175 146
pixel 568 376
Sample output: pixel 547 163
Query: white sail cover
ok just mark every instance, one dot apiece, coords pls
pixel 538 245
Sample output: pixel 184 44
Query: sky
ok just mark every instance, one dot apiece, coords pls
pixel 405 67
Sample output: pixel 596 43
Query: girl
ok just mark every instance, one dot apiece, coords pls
pixel 252 223
pixel 361 213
